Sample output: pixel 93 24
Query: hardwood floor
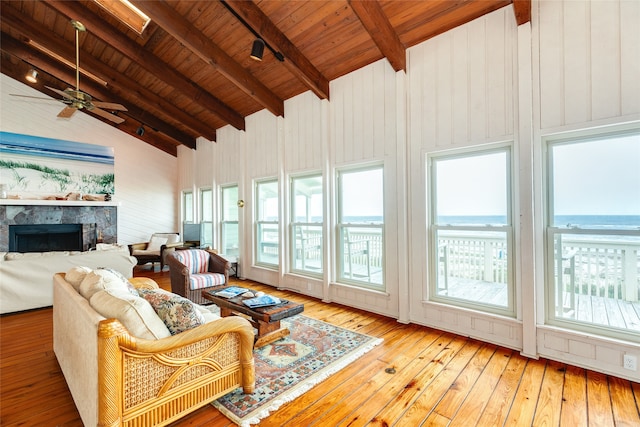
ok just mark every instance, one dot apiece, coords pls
pixel 437 378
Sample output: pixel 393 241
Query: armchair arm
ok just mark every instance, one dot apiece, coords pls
pixel 137 246
pixel 217 264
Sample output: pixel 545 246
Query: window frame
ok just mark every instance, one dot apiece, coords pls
pixel 206 239
pixel 342 228
pixel 260 224
pixel 552 263
pixel 225 222
pixel 433 253
pixel 294 225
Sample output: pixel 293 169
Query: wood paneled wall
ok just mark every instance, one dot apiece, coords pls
pixel 589 61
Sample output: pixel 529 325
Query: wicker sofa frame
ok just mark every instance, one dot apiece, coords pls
pixel 119 380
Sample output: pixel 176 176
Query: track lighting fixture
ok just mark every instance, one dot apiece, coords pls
pixel 32 76
pixel 140 130
pixel 258 44
pixel 257 50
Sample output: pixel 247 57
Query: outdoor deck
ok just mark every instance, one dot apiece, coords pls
pixel 598 310
pixel 597 279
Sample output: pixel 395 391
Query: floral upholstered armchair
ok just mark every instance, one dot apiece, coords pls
pixel 193 270
pixel 157 249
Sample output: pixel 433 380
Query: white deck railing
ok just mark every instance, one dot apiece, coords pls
pixel 590 267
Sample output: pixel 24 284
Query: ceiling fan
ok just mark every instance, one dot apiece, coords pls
pixel 75 99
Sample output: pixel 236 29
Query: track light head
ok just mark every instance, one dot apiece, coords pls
pixel 257 50
pixel 140 130
pixel 32 76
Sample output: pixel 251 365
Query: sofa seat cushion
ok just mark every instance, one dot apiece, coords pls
pixel 205 280
pixel 134 312
pixel 178 313
pixel 103 278
pixel 210 313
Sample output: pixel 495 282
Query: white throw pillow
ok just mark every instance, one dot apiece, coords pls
pixel 135 313
pixel 101 279
pixel 76 275
pixel 156 242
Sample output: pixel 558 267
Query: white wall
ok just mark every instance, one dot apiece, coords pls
pixel 574 66
pixel 145 177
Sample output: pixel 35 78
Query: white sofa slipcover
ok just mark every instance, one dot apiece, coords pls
pixel 26 278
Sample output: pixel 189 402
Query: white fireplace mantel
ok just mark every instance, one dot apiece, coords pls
pixel 42 202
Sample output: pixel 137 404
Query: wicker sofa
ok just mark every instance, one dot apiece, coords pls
pixel 117 379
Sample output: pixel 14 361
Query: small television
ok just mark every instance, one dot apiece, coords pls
pixel 191 233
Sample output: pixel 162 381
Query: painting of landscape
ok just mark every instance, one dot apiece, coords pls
pixel 44 168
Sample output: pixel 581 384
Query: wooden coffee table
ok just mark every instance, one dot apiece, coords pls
pixel 265 319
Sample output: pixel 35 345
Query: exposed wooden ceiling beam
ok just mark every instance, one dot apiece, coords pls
pixel 117 81
pixel 16 20
pixel 522 10
pixel 379 28
pixel 112 36
pixel 184 31
pixel 17 71
pixel 67 75
pixel 295 61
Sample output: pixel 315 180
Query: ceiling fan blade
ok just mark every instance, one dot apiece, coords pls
pixel 66 112
pixel 110 106
pixel 107 115
pixel 60 92
pixel 33 97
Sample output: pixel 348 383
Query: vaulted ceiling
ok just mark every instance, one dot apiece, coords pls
pixel 190 73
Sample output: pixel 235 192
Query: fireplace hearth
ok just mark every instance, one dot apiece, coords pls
pixel 45 237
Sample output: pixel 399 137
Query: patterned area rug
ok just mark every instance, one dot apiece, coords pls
pixel 289 367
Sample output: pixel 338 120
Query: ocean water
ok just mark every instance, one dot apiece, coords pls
pixel 581 221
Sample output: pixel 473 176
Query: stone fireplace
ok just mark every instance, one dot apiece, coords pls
pixel 93 224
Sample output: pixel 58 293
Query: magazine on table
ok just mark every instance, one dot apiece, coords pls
pixel 261 301
pixel 230 292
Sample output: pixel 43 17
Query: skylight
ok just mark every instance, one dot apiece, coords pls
pixel 127 13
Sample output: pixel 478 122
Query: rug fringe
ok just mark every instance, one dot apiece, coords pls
pixel 300 389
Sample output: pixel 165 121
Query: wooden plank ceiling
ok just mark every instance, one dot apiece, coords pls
pixel 190 73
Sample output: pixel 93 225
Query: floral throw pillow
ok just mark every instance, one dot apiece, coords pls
pixel 178 313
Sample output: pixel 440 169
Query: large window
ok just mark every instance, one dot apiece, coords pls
pixel 306 225
pixel 206 217
pixel 230 239
pixel 267 215
pixel 471 234
pixel 593 233
pixel 187 206
pixel 360 249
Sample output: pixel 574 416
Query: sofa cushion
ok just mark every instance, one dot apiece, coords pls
pixel 134 312
pixel 101 279
pixel 76 275
pixel 178 313
pixel 205 280
pixel 210 312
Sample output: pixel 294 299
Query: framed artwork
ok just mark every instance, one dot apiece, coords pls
pixel 33 167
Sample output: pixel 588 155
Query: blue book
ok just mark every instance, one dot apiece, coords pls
pixel 261 301
pixel 230 292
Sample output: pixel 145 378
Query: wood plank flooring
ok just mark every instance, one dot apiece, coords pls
pixel 437 378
